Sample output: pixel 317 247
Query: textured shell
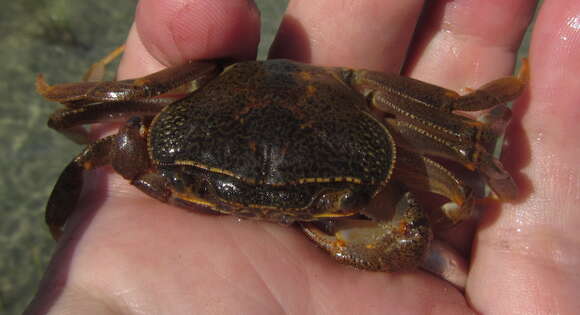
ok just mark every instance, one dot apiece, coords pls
pixel 275 123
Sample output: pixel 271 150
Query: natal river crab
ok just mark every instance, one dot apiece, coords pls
pixel 283 141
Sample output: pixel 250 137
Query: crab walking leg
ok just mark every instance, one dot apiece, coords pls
pixel 91 102
pixel 68 121
pixel 473 156
pixel 68 188
pixel 96 71
pixel 396 244
pixel 425 123
pixel 407 91
pixel 496 92
pixel 443 134
pixel 78 94
pixel 126 152
pixel 423 174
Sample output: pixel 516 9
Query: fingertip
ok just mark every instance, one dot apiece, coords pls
pixel 175 31
pixel 370 35
pixel 136 60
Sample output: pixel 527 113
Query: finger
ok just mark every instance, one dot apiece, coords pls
pixel 465 43
pixel 528 255
pixel 171 32
pixel 370 34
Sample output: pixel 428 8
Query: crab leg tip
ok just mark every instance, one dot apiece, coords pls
pixel 41 85
pixel 524 72
pixel 55 231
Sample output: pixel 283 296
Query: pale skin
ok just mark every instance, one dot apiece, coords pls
pixel 125 253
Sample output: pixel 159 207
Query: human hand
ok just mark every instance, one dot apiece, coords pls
pixel 124 252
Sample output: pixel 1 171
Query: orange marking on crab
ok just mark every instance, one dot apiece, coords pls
pixel 339 243
pixel 452 94
pixel 311 90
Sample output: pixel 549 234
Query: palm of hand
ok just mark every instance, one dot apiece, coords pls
pixel 217 264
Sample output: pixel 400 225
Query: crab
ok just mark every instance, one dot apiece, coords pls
pixel 341 152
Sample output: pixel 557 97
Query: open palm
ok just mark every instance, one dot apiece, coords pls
pixel 125 253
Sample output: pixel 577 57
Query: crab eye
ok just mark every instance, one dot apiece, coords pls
pixel 203 188
pixel 350 200
pixel 347 200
